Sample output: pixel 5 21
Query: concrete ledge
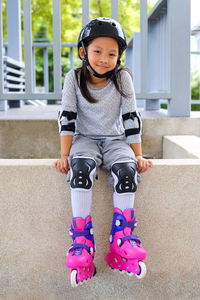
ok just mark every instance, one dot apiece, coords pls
pixel 35 216
pixel 181 146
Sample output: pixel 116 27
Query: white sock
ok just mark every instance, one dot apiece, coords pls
pixel 81 202
pixel 123 201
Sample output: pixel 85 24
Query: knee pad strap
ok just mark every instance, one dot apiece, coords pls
pixel 125 177
pixel 82 172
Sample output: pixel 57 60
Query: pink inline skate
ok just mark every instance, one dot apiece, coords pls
pixel 126 253
pixel 81 254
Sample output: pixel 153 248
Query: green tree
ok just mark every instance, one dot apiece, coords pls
pixel 71 24
pixel 195 87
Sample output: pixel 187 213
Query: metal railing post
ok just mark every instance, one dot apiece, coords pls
pixel 114 10
pixel 56 47
pixel 1 50
pixel 33 64
pixel 179 30
pixel 85 12
pixel 28 47
pixel 46 70
pixel 71 58
pixel 3 103
pixel 143 44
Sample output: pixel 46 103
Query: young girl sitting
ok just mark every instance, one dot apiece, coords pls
pixel 100 127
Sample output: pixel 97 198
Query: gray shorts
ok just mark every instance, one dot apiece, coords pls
pixel 105 152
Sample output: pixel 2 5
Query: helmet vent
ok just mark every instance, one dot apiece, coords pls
pixel 100 23
pixel 113 24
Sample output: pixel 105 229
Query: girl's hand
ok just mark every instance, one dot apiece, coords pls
pixel 143 164
pixel 62 164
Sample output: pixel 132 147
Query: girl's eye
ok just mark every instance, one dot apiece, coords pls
pixel 97 51
pixel 112 54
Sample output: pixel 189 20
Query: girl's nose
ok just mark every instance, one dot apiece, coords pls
pixel 104 58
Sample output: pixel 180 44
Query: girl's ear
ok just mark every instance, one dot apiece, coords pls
pixel 81 53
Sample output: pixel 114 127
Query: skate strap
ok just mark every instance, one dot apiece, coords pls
pixel 81 233
pixel 131 237
pixel 76 246
pixel 85 232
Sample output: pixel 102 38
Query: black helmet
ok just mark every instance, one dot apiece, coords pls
pixel 103 27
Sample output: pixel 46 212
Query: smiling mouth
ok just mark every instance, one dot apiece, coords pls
pixel 102 67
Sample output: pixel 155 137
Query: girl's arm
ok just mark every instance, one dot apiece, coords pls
pixel 142 163
pixel 62 164
pixel 66 120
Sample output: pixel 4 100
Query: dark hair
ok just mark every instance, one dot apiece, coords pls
pixel 85 76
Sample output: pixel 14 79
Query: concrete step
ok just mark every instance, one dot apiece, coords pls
pixel 35 217
pixel 181 146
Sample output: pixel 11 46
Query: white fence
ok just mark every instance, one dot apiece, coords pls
pixel 159 56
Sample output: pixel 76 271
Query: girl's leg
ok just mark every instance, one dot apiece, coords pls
pixel 84 158
pixel 123 201
pixel 126 253
pixel 119 151
pixel 81 202
pixel 82 175
pixel 125 184
pixel 81 253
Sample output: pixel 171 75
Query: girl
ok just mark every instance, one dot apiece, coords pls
pixel 95 100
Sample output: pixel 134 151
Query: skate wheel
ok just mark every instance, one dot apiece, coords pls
pixel 73 277
pixel 143 270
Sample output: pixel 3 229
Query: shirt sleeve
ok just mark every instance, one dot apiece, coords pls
pixel 130 115
pixel 68 113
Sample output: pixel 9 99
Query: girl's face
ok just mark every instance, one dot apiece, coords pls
pixel 103 53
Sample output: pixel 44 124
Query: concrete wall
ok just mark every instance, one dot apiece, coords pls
pixel 40 139
pixel 35 216
pixel 29 139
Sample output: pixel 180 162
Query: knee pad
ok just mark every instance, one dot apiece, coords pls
pixel 82 172
pixel 125 177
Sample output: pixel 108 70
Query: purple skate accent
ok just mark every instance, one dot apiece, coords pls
pixel 74 222
pixel 77 246
pixel 132 213
pixel 81 233
pixel 78 251
pixel 131 237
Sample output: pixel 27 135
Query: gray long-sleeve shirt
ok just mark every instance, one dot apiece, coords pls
pixel 104 118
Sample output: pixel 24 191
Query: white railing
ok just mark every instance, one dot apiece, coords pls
pixel 160 57
pixel 161 73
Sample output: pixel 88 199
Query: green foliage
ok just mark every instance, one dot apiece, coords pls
pixel 163 106
pixel 71 24
pixel 195 83
pixel 71 20
pixel 195 87
pixel 4 21
pixel 195 107
pixel 129 13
